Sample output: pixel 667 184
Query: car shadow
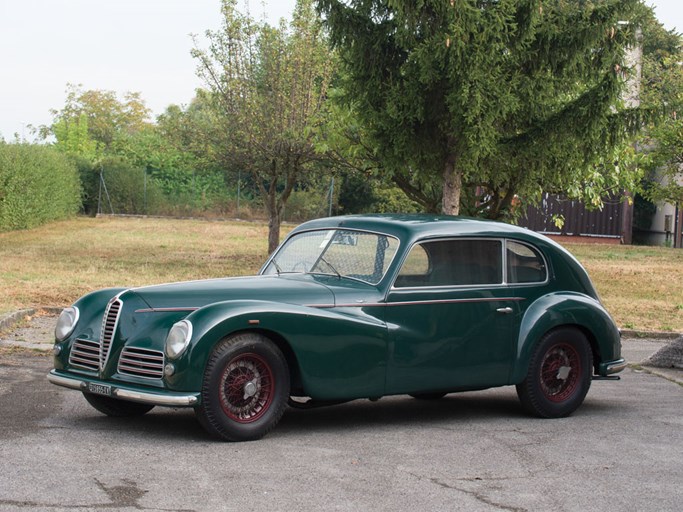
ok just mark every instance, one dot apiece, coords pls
pixel 452 411
pixel 402 411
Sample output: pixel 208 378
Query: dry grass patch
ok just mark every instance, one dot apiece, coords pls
pixel 642 287
pixel 55 264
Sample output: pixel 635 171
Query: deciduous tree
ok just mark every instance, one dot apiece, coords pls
pixel 269 84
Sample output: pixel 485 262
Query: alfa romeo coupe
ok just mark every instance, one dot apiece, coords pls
pixel 348 308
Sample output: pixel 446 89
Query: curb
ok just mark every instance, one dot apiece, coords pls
pixel 9 320
pixel 652 335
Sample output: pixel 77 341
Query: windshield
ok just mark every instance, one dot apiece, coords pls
pixel 342 253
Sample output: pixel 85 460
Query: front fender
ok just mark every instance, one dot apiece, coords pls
pixel 566 309
pixel 338 355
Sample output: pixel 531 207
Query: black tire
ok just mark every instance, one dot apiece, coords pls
pixel 245 388
pixel 117 408
pixel 428 396
pixel 559 374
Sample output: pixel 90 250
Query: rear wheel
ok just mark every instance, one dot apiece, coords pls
pixel 245 388
pixel 559 374
pixel 115 407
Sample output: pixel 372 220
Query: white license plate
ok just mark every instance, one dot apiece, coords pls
pixel 99 389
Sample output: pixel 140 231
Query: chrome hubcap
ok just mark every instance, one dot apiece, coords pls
pixel 250 389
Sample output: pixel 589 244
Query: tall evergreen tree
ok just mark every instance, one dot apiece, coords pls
pixel 508 97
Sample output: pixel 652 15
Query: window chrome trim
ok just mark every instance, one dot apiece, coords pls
pixel 505 284
pixel 502 284
pixel 535 250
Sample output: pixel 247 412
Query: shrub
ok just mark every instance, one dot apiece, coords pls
pixel 126 189
pixel 38 184
pixel 304 205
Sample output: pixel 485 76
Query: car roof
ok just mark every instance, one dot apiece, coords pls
pixel 412 226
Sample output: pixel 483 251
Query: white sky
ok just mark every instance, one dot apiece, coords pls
pixel 120 45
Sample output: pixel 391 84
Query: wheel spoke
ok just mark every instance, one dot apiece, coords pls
pixel 246 388
pixel 560 371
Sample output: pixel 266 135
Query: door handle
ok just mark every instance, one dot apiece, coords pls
pixel 504 311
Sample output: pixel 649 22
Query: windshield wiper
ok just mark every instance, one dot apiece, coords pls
pixel 339 276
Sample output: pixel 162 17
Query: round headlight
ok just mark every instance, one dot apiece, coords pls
pixel 178 338
pixel 66 323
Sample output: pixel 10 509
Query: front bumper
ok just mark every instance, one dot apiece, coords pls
pixel 612 367
pixel 168 399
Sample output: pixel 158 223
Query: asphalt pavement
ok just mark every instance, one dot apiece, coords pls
pixel 622 450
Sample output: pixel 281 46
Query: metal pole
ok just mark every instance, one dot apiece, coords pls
pixel 99 195
pixel 145 189
pixel 239 183
pixel 331 196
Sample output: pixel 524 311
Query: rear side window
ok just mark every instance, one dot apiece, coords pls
pixel 524 264
pixel 453 263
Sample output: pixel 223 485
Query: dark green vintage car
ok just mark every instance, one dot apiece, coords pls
pixel 347 308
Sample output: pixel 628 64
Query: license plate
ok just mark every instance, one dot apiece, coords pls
pixel 99 389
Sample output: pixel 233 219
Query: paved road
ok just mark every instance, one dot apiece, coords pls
pixel 623 450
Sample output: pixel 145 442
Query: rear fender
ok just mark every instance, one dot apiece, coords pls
pixel 560 310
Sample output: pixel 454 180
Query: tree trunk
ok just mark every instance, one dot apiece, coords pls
pixel 274 221
pixel 452 187
pixel 274 218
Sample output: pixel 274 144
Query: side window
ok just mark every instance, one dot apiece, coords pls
pixel 453 263
pixel 415 269
pixel 524 264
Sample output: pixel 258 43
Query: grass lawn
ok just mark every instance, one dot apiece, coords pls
pixel 642 287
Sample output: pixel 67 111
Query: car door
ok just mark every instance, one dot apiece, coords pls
pixel 453 323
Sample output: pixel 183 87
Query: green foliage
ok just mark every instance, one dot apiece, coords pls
pixel 359 194
pixel 99 113
pixel 663 89
pixel 90 185
pixel 512 98
pixel 72 137
pixel 37 185
pixel 126 189
pixel 391 199
pixel 174 171
pixel 307 204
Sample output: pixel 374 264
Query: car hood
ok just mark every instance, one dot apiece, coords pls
pixel 195 294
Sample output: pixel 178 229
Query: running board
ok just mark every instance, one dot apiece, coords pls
pixel 606 377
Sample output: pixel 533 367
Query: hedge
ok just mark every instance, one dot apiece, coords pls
pixel 38 184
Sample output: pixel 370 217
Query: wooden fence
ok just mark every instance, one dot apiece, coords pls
pixel 613 221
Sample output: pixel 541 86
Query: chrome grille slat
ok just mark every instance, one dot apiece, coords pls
pixel 85 354
pixel 109 323
pixel 141 362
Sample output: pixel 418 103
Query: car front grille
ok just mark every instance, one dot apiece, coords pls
pixel 141 362
pixel 109 323
pixel 85 354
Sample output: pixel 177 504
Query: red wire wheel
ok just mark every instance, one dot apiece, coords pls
pixel 559 374
pixel 560 371
pixel 246 388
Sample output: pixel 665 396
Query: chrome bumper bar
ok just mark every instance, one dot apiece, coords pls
pixel 615 366
pixel 169 400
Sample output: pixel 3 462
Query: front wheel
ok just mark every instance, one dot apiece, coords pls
pixel 245 388
pixel 115 407
pixel 559 374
